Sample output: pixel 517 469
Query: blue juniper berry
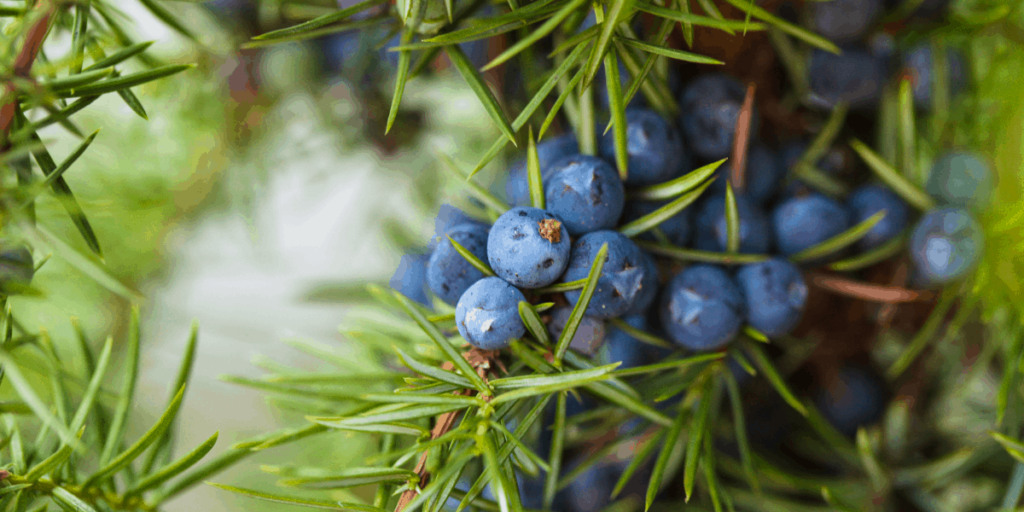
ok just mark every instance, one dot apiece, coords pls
pixel 961 179
pixel 761 179
pixel 710 107
pixel 589 335
pixel 855 397
pixel 856 77
pixel 713 229
pixel 621 277
pixel 487 315
pixel 656 152
pixel 448 273
pixel 549 151
pixel 410 278
pixel 803 221
pixel 702 308
pixel 919 68
pixel 845 20
pixel 648 285
pixel 528 247
pixel 585 193
pixel 676 228
pixel 945 245
pixel 868 200
pixel 775 293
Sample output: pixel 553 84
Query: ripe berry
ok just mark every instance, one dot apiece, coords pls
pixel 586 193
pixel 487 315
pixel 919 68
pixel 528 247
pixel 448 273
pixel 945 244
pixel 856 397
pixel 410 278
pixel 776 294
pixel 655 149
pixel 710 106
pixel 761 179
pixel 621 277
pixel 868 200
pixel 591 490
pixel 845 20
pixel 855 77
pixel 549 151
pixel 961 179
pixel 589 335
pixel 801 222
pixel 631 352
pixel 713 228
pixel 648 285
pixel 702 308
pixel 676 228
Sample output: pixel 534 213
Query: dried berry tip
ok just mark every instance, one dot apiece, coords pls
pixel 550 230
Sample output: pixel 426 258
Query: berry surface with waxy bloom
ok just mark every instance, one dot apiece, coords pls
pixel 655 149
pixel 710 106
pixel 803 221
pixel 761 178
pixel 589 335
pixel 775 293
pixel 648 285
pixel 868 200
pixel 845 20
pixel 621 278
pixel 856 78
pixel 448 273
pixel 713 227
pixel 919 68
pixel 487 315
pixel 549 152
pixel 528 247
pixel 410 278
pixel 945 245
pixel 702 308
pixel 585 193
pixel 854 398
pixel 961 179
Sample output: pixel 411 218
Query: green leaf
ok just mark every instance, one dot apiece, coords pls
pixel 924 335
pixel 471 258
pixel 53 462
pixel 908 133
pixel 672 436
pixel 169 19
pixel 89 398
pixel 67 198
pixel 770 373
pixel 562 381
pixel 719 258
pixel 42 411
pixel 125 82
pixel 576 317
pixel 696 19
pixel 805 165
pixel 120 56
pixel 564 287
pixel 655 218
pixel 536 34
pixel 618 12
pixel 533 174
pixel 755 334
pixel 687 26
pixel 287 436
pixel 639 458
pixel 184 373
pixel 351 477
pixel 485 196
pixel 1012 446
pixel 58 173
pixel 732 221
pixel 431 371
pixel 870 463
pixel 300 502
pixel 562 97
pixel 694 443
pixel 657 93
pixel 387 414
pixel 555 455
pixel 318 22
pixel 502 487
pixel 681 185
pixel 840 241
pixel 520 446
pixel 464 401
pixel 640 335
pixel 43 239
pixel 617 106
pixel 401 77
pixel 439 339
pixel 907 190
pixel 57 117
pixel 69 83
pixel 131 100
pixel 533 324
pixel 69 501
pixel 783 25
pixel 480 88
pixel 866 259
pixel 175 468
pixel 135 450
pixel 671 365
pixel 669 52
pixel 740 426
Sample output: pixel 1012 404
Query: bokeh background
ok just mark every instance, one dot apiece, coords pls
pixel 247 202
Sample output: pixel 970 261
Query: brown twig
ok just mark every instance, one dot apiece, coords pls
pixel 482 361
pixel 886 312
pixel 867 291
pixel 22 66
pixel 741 139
